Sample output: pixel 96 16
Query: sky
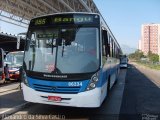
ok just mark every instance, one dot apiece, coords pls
pixel 124 17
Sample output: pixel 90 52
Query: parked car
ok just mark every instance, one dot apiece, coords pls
pixel 14 61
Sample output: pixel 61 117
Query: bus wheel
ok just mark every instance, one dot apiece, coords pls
pixel 108 85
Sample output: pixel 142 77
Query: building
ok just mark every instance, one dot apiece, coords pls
pixel 150 38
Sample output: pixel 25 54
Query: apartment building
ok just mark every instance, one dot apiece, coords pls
pixel 150 38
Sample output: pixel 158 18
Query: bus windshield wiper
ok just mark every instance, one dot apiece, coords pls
pixel 56 71
pixel 63 47
pixel 52 46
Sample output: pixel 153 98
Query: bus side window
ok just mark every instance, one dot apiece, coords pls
pixel 114 50
pixel 105 46
pixel 105 43
pixel 108 47
pixel 111 47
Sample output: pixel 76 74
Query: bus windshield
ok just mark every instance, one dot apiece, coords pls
pixel 62 50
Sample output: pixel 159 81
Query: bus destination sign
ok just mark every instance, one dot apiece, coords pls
pixel 65 19
pixel 82 19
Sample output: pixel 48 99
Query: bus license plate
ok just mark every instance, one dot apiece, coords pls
pixel 54 98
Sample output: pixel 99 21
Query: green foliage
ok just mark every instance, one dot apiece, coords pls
pixel 149 65
pixel 137 55
pixel 153 57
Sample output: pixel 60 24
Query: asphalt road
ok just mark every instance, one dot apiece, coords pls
pixel 10 97
pixel 141 97
pixel 136 96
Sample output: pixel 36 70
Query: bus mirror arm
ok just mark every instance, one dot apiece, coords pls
pixel 20 80
pixel 18 42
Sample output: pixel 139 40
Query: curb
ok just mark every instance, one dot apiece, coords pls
pixel 13 110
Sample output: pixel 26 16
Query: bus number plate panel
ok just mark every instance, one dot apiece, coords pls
pixel 54 98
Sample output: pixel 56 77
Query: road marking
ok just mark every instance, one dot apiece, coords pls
pixel 9 91
pixel 13 110
pixel 9 87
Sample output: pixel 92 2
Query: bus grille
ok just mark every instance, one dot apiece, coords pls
pixel 56 89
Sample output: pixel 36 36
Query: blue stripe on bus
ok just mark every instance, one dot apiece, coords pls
pixel 63 87
pixel 56 86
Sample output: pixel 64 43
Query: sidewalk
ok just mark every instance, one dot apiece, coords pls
pixel 11 100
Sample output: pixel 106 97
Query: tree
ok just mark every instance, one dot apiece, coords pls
pixel 153 57
pixel 137 55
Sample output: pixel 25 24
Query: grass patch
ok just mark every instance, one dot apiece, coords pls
pixel 149 65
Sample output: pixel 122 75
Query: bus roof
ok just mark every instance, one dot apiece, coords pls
pixel 67 13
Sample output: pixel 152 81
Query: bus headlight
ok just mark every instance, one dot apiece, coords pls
pixel 93 81
pixel 95 78
pixel 92 85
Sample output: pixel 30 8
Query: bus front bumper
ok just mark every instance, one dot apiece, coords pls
pixel 90 98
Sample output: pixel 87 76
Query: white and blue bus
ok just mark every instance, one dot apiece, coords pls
pixel 70 59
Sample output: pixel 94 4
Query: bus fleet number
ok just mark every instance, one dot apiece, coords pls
pixel 75 84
